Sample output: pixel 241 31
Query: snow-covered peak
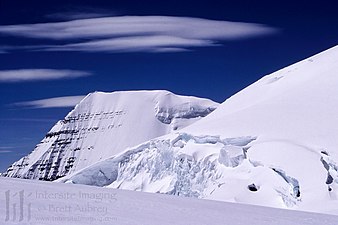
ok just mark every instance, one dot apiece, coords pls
pixel 296 78
pixel 104 124
pixel 298 102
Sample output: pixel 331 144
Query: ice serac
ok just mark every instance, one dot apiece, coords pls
pixel 103 125
pixel 275 143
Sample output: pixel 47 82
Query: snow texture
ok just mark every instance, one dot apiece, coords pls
pixel 47 203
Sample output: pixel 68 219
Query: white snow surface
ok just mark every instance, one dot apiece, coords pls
pixel 103 125
pixel 296 104
pixel 273 144
pixel 44 203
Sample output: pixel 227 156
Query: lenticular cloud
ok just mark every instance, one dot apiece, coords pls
pixel 136 33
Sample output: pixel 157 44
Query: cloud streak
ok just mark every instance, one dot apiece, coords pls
pixel 137 33
pixel 77 15
pixel 6 147
pixel 5 151
pixel 135 44
pixel 25 75
pixel 59 102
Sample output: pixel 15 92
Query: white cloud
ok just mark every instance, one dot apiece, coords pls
pixel 6 147
pixel 185 27
pixel 59 102
pixel 5 151
pixel 135 44
pixel 23 75
pixel 137 33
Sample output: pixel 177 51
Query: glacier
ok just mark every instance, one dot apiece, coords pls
pixel 272 144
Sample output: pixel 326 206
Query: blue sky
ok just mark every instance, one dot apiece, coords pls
pixel 54 52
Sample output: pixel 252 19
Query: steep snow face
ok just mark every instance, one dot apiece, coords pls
pixel 274 144
pixel 104 124
pixel 297 104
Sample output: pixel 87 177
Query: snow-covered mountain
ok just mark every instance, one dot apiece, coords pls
pixel 273 144
pixel 103 125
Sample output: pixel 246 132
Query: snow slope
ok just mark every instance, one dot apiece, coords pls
pixel 104 124
pixel 273 144
pixel 296 103
pixel 45 203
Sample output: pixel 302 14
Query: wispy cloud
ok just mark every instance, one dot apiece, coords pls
pixel 6 147
pixel 135 44
pixel 22 75
pixel 5 151
pixel 59 102
pixel 185 27
pixel 77 15
pixel 81 12
pixel 137 33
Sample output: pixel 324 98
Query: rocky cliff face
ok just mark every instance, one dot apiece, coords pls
pixel 104 124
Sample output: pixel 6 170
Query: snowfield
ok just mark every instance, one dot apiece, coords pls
pixel 44 203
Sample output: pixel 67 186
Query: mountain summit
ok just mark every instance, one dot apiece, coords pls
pixel 103 125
